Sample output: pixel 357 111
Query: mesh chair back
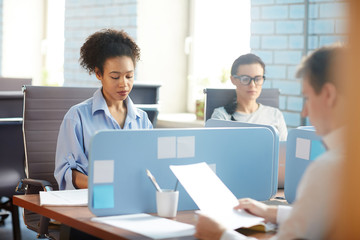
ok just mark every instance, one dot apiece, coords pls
pixel 218 97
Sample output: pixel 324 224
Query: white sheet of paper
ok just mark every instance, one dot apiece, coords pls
pixel 303 148
pixel 104 171
pixel 166 147
pixel 148 225
pixel 212 196
pixel 186 147
pixel 64 198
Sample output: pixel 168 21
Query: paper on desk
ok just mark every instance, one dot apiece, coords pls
pixel 64 198
pixel 147 225
pixel 212 196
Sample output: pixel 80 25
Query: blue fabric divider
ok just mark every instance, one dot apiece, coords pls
pixel 243 158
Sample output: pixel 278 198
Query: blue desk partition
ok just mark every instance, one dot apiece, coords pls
pixel 243 158
pixel 303 147
pixel 224 123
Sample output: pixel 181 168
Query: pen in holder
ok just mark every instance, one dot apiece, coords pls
pixel 176 185
pixel 167 203
pixel 153 180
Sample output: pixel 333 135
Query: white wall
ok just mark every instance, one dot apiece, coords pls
pixel 54 44
pixel 162 29
pixel 23 32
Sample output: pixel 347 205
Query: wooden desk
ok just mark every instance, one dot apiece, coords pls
pixel 80 218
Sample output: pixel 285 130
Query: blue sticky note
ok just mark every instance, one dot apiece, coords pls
pixel 103 196
pixel 317 148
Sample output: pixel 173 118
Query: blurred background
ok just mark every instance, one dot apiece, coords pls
pixel 186 45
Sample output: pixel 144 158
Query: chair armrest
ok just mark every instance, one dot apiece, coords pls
pixel 24 183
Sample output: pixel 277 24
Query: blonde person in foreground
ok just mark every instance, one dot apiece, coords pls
pixel 312 212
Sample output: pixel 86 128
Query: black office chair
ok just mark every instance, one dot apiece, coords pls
pixel 11 146
pixel 11 104
pixel 44 110
pixel 218 97
pixel 11 168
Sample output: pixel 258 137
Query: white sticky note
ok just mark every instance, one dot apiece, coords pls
pixel 166 147
pixel 186 147
pixel 103 171
pixel 303 148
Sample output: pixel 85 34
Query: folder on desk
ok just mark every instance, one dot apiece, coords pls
pixel 77 197
pixel 243 158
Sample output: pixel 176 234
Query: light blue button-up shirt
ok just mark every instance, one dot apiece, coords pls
pixel 80 123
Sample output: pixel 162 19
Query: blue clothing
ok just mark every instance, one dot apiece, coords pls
pixel 80 123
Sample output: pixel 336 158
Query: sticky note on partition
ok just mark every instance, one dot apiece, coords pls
pixel 302 148
pixel 103 196
pixel 186 147
pixel 103 171
pixel 166 147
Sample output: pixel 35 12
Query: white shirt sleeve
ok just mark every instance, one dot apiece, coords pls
pixel 281 125
pixel 312 210
pixel 283 213
pixel 220 113
pixel 233 235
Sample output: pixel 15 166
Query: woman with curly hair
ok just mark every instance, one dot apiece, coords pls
pixel 111 55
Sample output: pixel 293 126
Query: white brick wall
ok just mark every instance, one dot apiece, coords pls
pixel 278 37
pixel 84 17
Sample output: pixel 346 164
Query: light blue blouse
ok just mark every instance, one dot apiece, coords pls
pixel 80 123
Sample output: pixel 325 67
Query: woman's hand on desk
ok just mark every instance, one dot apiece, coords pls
pixel 259 209
pixel 208 229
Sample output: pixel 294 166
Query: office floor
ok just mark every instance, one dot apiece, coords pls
pixel 6 230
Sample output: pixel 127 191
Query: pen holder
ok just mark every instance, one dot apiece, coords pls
pixel 167 202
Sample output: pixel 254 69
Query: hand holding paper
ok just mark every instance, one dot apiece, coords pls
pixel 212 196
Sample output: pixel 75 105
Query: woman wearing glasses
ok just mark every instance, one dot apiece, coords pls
pixel 247 74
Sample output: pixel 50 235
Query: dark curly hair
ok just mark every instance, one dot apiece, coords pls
pixel 104 44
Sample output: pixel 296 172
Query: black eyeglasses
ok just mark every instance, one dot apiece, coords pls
pixel 246 80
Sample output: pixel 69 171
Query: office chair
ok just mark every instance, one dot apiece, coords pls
pixel 44 110
pixel 11 97
pixel 11 168
pixel 13 84
pixel 218 97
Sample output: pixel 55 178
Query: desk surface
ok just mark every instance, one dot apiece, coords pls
pixel 80 218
